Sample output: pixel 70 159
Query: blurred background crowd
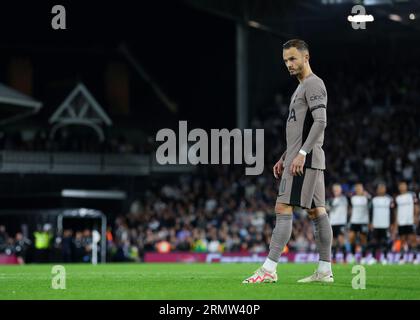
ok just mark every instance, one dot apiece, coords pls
pixel 372 135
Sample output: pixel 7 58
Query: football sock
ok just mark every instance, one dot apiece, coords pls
pixel 280 237
pixel 323 236
pixel 324 266
pixel 413 251
pixel 270 265
pixel 363 251
pixel 384 249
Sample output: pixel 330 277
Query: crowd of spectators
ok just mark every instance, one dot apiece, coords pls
pixel 372 132
pixel 45 245
pixel 372 136
pixel 230 213
pixel 17 245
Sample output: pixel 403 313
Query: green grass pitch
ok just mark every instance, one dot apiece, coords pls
pixel 204 281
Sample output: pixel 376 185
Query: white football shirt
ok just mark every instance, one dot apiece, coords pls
pixel 360 210
pixel 381 206
pixel 338 211
pixel 405 208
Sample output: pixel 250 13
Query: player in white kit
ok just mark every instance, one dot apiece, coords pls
pixel 337 207
pixel 382 205
pixel 359 220
pixel 407 216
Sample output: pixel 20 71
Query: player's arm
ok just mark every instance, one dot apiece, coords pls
pixel 370 210
pixel 393 219
pixel 348 207
pixel 283 156
pixel 316 97
pixel 279 166
pixel 416 210
pixel 392 214
pixel 349 210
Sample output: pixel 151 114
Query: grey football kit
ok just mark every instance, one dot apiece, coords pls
pixel 305 130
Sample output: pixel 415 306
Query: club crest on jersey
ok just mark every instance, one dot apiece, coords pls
pixel 292 115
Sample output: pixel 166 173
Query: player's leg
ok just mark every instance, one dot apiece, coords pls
pixel 288 196
pixel 375 243
pixel 352 241
pixel 282 230
pixel 363 243
pixel 315 199
pixel 342 241
pixel 335 243
pixel 403 248
pixel 280 237
pixel 384 244
pixel 412 245
pixel 323 233
pixel 323 239
pixel 281 234
pixel 338 241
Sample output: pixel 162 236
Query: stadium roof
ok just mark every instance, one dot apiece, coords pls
pixel 80 108
pixel 15 105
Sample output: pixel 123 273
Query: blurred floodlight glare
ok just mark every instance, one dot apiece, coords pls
pixel 254 24
pixel 395 17
pixel 376 2
pixel 361 18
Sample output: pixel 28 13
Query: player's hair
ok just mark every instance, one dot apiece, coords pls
pixel 296 43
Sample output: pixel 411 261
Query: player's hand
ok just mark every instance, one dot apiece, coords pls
pixel 297 165
pixel 278 168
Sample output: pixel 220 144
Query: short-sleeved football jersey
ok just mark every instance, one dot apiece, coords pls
pixel 405 208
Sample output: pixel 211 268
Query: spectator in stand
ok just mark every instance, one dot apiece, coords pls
pixel 3 238
pixel 20 247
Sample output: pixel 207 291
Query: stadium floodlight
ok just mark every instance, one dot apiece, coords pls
pixel 361 18
pixel 395 17
pixel 376 2
pixel 94 194
pixel 254 24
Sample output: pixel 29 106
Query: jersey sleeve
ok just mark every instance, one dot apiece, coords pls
pixel 316 95
pixel 283 156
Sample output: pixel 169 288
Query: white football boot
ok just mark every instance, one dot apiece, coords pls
pixel 318 277
pixel 262 276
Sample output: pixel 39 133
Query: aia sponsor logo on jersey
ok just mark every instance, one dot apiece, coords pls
pixel 292 115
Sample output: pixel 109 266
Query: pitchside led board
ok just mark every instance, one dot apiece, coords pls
pixel 209 157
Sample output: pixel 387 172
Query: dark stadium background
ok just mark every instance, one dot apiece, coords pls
pixel 188 48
